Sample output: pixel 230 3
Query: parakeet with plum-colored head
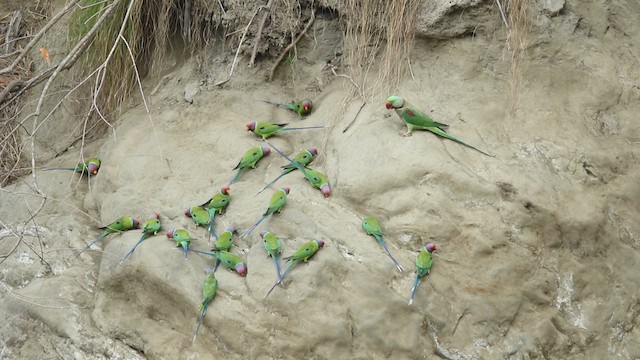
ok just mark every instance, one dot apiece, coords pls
pixel 304 253
pixel 424 261
pixel 301 107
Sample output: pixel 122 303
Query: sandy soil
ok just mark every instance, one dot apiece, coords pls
pixel 538 246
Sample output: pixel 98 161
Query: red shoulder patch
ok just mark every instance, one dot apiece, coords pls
pixel 410 112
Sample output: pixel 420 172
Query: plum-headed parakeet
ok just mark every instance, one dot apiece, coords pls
pixel 121 224
pixel 303 158
pixel 229 260
pixel 209 289
pixel 278 199
pixel 372 227
pixel 424 261
pixel 224 242
pixel 182 239
pixel 267 129
pixel 249 160
pixel 272 244
pixel 304 253
pixel 300 107
pixel 217 204
pixel 314 177
pixel 150 227
pixel 89 167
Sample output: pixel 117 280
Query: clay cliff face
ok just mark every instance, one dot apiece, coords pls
pixel 538 246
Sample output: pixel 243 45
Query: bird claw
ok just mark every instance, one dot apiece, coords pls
pixel 407 134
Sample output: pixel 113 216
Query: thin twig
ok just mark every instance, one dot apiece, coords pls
pixel 256 40
pixel 12 30
pixel 292 45
pixel 235 58
pixel 144 100
pixel 37 37
pixel 504 18
pixel 354 118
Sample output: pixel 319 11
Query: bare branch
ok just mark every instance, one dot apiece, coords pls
pixel 256 41
pixel 292 45
pixel 37 36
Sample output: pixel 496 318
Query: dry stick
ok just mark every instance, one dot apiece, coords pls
pixel 65 64
pixel 252 62
pixel 37 37
pixel 354 118
pixel 286 50
pixel 12 31
pixel 235 58
pixel 186 29
pixel 504 18
pixel 364 100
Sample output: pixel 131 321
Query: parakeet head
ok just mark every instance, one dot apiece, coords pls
pixel 136 223
pixel 93 168
pixel 286 190
pixel 307 105
pixel 395 102
pixel 225 190
pixel 170 233
pixel 241 269
pixel 232 230
pixel 251 126
pixel 313 151
pixel 262 233
pixel 187 212
pixel 320 242
pixel 326 191
pixel 431 247
pixel 265 150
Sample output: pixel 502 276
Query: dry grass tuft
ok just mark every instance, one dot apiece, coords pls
pixel 374 26
pixel 147 26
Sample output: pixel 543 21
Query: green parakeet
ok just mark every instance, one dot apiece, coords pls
pixel 267 129
pixel 121 224
pixel 217 204
pixel 424 261
pixel 229 260
pixel 304 253
pixel 278 199
pixel 300 107
pixel 303 158
pixel 372 227
pixel 150 227
pixel 89 167
pixel 416 119
pixel 209 289
pixel 315 177
pixel 224 242
pixel 182 239
pixel 272 245
pixel 199 215
pixel 250 159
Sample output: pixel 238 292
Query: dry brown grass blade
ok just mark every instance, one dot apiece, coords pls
pixel 516 42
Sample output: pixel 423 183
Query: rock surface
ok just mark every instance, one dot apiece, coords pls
pixel 538 246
